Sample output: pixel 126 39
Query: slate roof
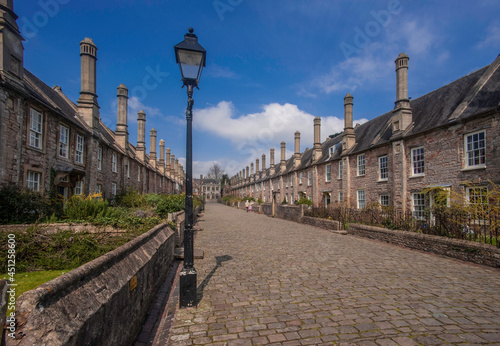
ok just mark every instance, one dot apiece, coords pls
pixel 468 96
pixel 59 103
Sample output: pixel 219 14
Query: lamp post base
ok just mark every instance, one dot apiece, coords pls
pixel 187 296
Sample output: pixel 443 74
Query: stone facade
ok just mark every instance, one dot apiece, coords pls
pixel 49 142
pixel 447 138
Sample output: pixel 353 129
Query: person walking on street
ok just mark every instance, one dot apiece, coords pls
pixel 247 205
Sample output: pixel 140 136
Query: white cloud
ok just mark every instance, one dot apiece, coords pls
pixel 492 36
pixel 375 62
pixel 252 135
pixel 419 37
pixel 135 105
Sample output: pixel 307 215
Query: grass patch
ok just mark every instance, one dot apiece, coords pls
pixel 30 280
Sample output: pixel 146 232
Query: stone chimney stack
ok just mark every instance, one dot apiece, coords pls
pixel 317 139
pixel 161 161
pixel 348 138
pixel 176 172
pixel 88 107
pixel 283 157
pixel 167 163
pixel 12 50
pixel 271 167
pixel 402 77
pixel 152 148
pixel 141 135
pixel 402 114
pixel 247 177
pixel 122 112
pixel 252 176
pixel 263 164
pixel 296 155
pixel 257 169
pixel 172 167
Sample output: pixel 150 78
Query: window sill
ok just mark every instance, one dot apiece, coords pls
pixel 362 175
pixel 417 176
pixel 472 168
pixel 382 180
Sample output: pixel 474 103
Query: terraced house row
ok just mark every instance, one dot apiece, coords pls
pixel 49 142
pixel 448 138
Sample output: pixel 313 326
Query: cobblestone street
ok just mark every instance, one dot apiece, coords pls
pixel 269 281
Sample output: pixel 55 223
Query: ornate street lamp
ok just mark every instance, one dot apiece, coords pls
pixel 190 56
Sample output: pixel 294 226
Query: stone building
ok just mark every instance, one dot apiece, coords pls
pixel 49 142
pixel 448 138
pixel 210 188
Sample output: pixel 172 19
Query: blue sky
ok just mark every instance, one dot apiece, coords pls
pixel 271 65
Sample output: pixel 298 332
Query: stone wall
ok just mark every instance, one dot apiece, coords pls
pixel 58 227
pixel 266 208
pixel 91 305
pixel 321 223
pixel 290 212
pixel 461 249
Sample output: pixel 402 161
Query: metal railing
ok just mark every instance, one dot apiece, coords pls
pixel 483 227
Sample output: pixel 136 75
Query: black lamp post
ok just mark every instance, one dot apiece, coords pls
pixel 190 56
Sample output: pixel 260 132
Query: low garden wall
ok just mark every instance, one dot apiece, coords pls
pixel 266 208
pixel 461 249
pixel 290 212
pixel 58 227
pixel 103 302
pixel 321 223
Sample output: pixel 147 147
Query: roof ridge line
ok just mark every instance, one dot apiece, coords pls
pixel 476 89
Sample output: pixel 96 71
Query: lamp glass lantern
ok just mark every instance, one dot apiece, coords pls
pixel 190 56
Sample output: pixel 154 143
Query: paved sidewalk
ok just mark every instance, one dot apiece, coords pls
pixel 267 281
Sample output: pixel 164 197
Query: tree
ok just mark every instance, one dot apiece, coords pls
pixel 216 171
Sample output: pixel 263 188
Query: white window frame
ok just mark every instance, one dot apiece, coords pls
pixel 79 188
pixel 309 178
pixel 127 168
pixel 361 167
pixel 138 173
pixel 418 162
pixel 383 172
pixel 63 141
pixel 36 129
pixel 473 154
pixel 418 205
pixel 79 148
pixel 114 163
pixel 383 199
pixel 98 188
pixel 341 196
pixel 471 192
pixel 291 180
pixel 33 180
pixel 341 169
pixel 361 199
pixel 331 151
pixel 113 189
pixel 328 173
pixel 300 178
pixel 99 158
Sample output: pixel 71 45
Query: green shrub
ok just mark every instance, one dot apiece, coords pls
pixel 86 208
pixel 19 205
pixel 260 201
pixel 131 199
pixel 170 204
pixel 304 200
pixel 250 199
